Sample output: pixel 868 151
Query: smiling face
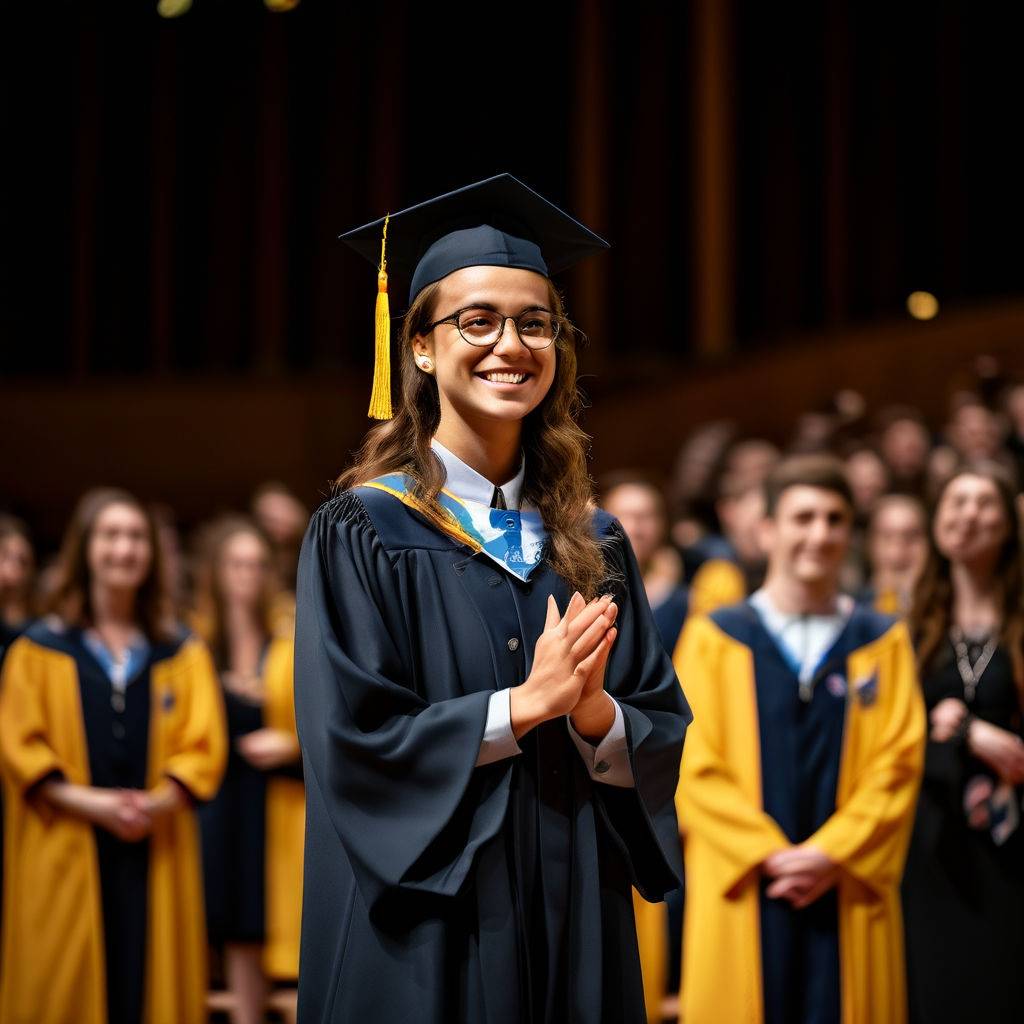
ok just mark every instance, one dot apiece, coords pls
pixel 807 537
pixel 119 552
pixel 505 382
pixel 971 524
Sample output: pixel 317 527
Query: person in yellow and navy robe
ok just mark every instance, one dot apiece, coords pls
pixel 798 784
pixel 111 728
pixel 252 831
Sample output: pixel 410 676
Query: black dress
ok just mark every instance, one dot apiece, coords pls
pixel 234 834
pixel 436 891
pixel 964 895
pixel 233 830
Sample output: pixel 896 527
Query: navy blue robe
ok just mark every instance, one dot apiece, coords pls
pixel 436 891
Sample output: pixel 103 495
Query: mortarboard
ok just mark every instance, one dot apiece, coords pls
pixel 498 222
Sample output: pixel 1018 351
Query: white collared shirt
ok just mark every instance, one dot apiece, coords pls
pixel 466 483
pixel 608 761
pixel 804 639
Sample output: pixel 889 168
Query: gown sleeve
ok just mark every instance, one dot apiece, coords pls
pixel 640 676
pixel 711 799
pixel 395 771
pixel 27 756
pixel 198 749
pixel 868 834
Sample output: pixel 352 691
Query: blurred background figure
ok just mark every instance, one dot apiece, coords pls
pixel 964 884
pixel 904 444
pixel 252 830
pixel 17 578
pixel 641 508
pixel 729 564
pixel 1014 406
pixel 897 547
pixel 172 557
pixel 111 729
pixel 283 519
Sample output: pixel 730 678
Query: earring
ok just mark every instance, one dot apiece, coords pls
pixel 425 363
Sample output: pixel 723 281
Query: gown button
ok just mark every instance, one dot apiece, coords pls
pixel 513 644
pixel 118 730
pixel 601 767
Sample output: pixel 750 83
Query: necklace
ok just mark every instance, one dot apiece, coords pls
pixel 971 674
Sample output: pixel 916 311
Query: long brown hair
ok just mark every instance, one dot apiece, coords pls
pixel 71 598
pixel 209 599
pixel 932 607
pixel 557 483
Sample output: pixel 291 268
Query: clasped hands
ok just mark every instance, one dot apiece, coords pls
pixel 128 814
pixel 567 677
pixel 800 875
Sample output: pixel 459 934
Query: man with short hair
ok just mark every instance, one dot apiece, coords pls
pixel 798 783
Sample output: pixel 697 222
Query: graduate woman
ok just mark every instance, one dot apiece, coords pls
pixel 111 727
pixel 252 830
pixel 964 885
pixel 491 728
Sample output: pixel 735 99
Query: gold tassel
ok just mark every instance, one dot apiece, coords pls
pixel 380 397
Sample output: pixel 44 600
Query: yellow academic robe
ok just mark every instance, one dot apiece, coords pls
pixel 52 968
pixel 727 832
pixel 286 822
pixel 716 584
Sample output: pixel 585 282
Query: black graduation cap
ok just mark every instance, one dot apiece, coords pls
pixel 498 222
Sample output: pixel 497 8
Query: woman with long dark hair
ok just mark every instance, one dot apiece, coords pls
pixel 111 728
pixel 252 829
pixel 964 883
pixel 491 728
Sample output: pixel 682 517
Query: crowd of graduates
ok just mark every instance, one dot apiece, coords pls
pixel 153 796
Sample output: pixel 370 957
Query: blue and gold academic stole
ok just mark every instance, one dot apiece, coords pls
pixel 514 540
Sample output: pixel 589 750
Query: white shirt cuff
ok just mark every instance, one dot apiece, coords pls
pixel 499 740
pixel 608 762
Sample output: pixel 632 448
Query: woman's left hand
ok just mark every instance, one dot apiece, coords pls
pixel 595 711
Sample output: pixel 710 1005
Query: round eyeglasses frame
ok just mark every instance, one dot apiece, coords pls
pixel 453 319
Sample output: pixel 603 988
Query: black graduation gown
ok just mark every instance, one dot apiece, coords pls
pixel 963 896
pixel 435 890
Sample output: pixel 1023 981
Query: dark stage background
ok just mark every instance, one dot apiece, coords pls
pixel 178 316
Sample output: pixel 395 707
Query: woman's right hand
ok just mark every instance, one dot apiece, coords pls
pixel 561 661
pixel 946 718
pixel 1000 749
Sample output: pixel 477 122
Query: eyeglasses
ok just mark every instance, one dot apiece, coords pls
pixel 536 328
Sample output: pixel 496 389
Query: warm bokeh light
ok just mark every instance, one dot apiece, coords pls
pixel 173 8
pixel 922 305
pixel 281 5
